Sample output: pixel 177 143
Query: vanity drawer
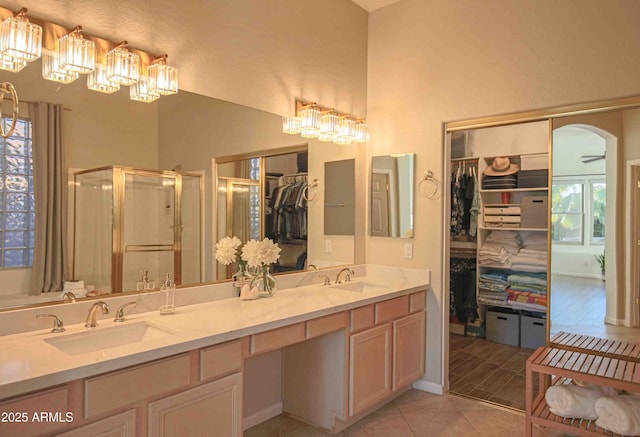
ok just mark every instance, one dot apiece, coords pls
pixel 126 387
pixel 277 338
pixel 220 360
pixel 15 423
pixel 417 301
pixel 391 309
pixel 326 324
pixel 361 318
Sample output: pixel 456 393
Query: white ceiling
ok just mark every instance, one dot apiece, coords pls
pixel 372 5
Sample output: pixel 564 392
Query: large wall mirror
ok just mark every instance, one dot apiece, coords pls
pixel 180 136
pixel 391 202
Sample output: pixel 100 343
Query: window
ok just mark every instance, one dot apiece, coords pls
pixel 567 213
pixel 17 201
pixel 578 211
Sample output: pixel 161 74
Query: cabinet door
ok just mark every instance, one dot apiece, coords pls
pixel 408 349
pixel 369 368
pixel 215 407
pixel 120 425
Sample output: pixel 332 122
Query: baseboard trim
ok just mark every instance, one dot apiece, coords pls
pixel 616 322
pixel 262 416
pixel 430 387
pixel 578 275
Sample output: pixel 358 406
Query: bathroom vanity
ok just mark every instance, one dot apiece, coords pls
pixel 347 349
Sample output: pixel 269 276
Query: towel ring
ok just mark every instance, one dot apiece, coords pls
pixel 305 192
pixel 6 87
pixel 428 179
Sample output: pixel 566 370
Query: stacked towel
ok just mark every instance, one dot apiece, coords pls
pixel 528 291
pixel 492 288
pixel 620 414
pixel 574 401
pixel 76 287
pixel 536 241
pixel 529 260
pixel 498 248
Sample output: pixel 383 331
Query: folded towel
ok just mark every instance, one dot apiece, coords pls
pixel 248 293
pixel 73 285
pixel 620 414
pixel 574 401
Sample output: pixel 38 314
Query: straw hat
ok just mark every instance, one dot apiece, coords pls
pixel 501 166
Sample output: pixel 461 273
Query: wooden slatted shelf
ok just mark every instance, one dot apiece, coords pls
pixel 597 346
pixel 560 366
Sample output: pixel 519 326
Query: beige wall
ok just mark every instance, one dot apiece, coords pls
pixel 446 60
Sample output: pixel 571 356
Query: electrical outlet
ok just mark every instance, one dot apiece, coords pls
pixel 327 246
pixel 408 250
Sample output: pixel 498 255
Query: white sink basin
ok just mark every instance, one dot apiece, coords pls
pixel 361 286
pixel 100 338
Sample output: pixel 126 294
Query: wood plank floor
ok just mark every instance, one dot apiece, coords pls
pixel 578 306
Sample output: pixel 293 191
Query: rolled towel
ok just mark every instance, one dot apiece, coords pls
pixel 574 401
pixel 620 414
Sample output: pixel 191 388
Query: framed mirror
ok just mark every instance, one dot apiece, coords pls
pixel 392 196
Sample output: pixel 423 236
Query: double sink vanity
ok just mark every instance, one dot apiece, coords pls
pixel 346 350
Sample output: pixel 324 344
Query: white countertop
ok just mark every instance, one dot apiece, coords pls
pixel 29 363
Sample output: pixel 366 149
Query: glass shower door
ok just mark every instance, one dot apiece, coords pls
pixel 150 235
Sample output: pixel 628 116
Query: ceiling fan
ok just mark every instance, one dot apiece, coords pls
pixel 591 158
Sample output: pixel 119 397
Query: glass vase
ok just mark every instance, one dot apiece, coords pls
pixel 242 275
pixel 265 282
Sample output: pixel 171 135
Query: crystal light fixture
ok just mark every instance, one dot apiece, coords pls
pixel 11 64
pixel 76 54
pixel 310 124
pixel 144 90
pixel 165 76
pixel 123 66
pixel 51 69
pixel 291 125
pixel 326 124
pixel 97 80
pixel 345 136
pixel 20 39
pixel 329 127
pixel 361 132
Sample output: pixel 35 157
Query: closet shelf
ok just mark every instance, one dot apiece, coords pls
pixel 496 228
pixel 513 190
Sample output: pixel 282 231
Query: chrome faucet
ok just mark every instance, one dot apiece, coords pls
pixel 347 278
pixel 91 317
pixel 69 297
pixel 57 323
pixel 327 281
pixel 120 313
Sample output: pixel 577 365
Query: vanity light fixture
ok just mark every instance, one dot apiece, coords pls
pixel 310 122
pixel 19 38
pixel 51 69
pixel 123 66
pixel 165 76
pixel 76 54
pixel 97 80
pixel 313 121
pixel 144 90
pixel 11 64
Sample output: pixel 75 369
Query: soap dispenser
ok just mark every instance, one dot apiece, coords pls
pixel 167 296
pixel 145 283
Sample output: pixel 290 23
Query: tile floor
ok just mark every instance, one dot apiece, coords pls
pixel 416 413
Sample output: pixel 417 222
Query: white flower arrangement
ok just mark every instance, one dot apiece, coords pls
pixel 227 250
pixel 260 253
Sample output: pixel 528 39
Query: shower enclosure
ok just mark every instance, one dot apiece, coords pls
pixel 130 220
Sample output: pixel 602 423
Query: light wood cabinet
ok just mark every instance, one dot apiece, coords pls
pixel 408 349
pixel 120 425
pixel 214 408
pixel 369 368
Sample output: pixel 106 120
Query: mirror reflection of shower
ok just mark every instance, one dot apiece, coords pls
pixel 128 221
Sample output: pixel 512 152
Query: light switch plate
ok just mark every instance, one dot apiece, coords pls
pixel 327 246
pixel 408 250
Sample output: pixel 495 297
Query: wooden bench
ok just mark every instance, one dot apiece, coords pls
pixel 562 366
pixel 596 346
